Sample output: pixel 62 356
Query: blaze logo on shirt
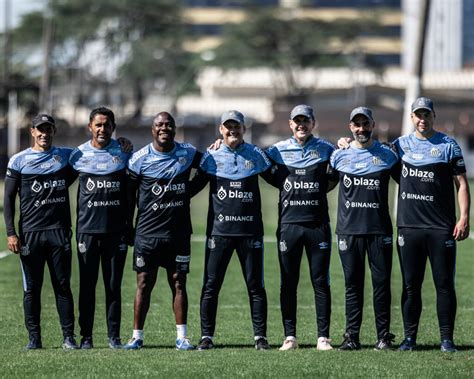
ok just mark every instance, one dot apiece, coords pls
pixel 310 186
pixel 369 183
pixel 102 184
pixel 245 196
pixel 425 176
pixel 36 186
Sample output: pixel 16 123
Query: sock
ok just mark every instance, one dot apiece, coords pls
pixel 257 337
pixel 210 337
pixel 181 331
pixel 290 338
pixel 137 334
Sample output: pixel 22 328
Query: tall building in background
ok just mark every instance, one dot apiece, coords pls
pixel 450 35
pixel 207 19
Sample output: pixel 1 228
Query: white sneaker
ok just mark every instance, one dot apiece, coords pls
pixel 324 344
pixel 289 344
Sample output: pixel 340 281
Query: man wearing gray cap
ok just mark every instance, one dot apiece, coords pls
pixel 300 166
pixel 40 176
pixel 432 169
pixel 234 222
pixel 364 225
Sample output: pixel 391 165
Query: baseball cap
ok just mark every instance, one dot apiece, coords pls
pixel 41 119
pixel 367 112
pixel 422 103
pixel 302 110
pixel 234 116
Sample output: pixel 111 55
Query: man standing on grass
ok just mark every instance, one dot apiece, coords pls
pixel 41 175
pixel 160 172
pixel 432 168
pixel 101 223
pixel 300 173
pixel 234 222
pixel 364 226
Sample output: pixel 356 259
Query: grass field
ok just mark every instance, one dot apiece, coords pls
pixel 235 355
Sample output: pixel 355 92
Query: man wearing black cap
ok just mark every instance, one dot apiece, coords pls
pixel 234 222
pixel 364 226
pixel 41 176
pixel 300 166
pixel 101 223
pixel 432 169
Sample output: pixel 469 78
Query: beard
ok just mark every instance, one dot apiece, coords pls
pixel 362 137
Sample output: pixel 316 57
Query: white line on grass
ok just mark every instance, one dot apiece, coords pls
pixel 4 254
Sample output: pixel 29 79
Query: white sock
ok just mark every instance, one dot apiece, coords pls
pixel 137 334
pixel 210 337
pixel 181 331
pixel 257 337
pixel 290 338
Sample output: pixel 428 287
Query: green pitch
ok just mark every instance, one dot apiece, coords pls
pixel 235 355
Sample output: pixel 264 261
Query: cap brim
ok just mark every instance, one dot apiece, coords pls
pixel 44 123
pixel 231 119
pixel 418 108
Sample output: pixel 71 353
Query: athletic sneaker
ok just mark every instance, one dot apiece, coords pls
pixel 408 344
pixel 385 343
pixel 35 343
pixel 447 346
pixel 115 343
pixel 262 344
pixel 133 344
pixel 289 344
pixel 69 343
pixel 349 343
pixel 205 344
pixel 86 343
pixel 324 344
pixel 184 344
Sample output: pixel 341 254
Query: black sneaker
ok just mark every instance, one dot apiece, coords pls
pixel 86 343
pixel 448 346
pixel 205 344
pixel 408 344
pixel 349 343
pixel 115 343
pixel 385 343
pixel 261 343
pixel 35 343
pixel 69 343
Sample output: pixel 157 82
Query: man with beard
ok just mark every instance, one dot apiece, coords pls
pixel 101 228
pixel 160 173
pixel 364 226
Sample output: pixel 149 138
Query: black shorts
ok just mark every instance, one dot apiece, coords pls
pixel 150 253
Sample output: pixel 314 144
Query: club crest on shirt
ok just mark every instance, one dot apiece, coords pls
pixel 248 165
pixel 314 154
pixel 116 159
pixel 182 161
pixel 435 153
pixel 57 158
pixel 342 245
pixel 376 161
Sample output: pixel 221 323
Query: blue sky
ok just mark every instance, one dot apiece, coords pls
pixel 18 7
